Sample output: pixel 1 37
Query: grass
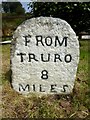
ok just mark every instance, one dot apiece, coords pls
pixel 75 105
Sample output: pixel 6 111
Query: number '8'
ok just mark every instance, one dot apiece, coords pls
pixel 44 74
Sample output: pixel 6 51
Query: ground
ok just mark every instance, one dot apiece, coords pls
pixel 75 105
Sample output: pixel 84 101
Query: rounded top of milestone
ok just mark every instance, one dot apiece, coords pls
pixel 44 57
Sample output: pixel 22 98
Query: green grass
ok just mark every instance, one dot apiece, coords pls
pixel 75 105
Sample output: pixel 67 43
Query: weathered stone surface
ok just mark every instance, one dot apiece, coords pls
pixel 44 56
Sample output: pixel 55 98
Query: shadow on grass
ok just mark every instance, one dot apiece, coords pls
pixel 8 76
